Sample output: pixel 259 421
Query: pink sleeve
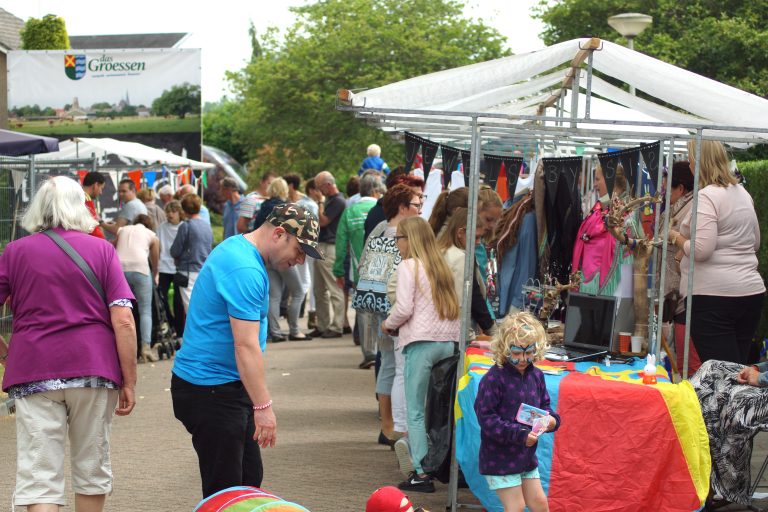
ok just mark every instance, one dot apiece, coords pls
pixel 706 229
pixel 405 295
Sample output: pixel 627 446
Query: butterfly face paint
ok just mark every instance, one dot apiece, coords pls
pixel 517 354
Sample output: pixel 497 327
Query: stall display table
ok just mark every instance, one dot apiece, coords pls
pixel 622 445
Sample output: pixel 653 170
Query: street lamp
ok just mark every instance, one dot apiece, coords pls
pixel 630 25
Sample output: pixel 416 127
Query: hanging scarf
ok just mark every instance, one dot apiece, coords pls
pixel 595 246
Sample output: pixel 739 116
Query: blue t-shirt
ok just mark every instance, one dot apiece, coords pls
pixel 232 283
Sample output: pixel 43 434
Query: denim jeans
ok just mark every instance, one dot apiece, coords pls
pixel 141 286
pixel 420 357
pixel 296 290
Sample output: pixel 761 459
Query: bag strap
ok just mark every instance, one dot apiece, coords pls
pixel 79 261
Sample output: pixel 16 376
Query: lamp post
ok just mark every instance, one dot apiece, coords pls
pixel 630 25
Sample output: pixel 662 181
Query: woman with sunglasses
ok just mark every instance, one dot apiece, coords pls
pixel 427 315
pixel 508 446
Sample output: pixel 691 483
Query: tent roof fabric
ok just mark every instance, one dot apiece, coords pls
pixel 19 144
pixel 514 85
pixel 130 153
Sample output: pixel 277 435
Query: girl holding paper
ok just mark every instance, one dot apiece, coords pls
pixel 507 443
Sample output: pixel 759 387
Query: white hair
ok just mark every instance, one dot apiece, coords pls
pixel 60 203
pixel 374 150
pixel 165 190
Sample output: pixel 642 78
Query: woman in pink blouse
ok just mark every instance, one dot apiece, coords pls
pixel 727 288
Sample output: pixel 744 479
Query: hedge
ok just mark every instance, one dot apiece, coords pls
pixel 756 175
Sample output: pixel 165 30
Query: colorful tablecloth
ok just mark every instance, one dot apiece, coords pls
pixel 622 445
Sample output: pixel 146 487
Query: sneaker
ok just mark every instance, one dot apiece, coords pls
pixel 330 334
pixel 366 364
pixel 403 454
pixel 415 483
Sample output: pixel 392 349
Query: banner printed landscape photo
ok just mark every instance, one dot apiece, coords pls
pixel 150 96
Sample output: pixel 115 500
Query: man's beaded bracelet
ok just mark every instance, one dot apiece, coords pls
pixel 262 406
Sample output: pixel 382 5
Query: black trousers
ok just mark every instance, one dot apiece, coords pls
pixel 220 419
pixel 177 316
pixel 722 328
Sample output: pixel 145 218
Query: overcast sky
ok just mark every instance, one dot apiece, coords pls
pixel 221 29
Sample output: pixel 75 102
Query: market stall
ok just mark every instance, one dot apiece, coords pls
pixel 549 103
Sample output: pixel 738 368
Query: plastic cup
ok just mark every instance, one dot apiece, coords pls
pixel 637 344
pixel 624 341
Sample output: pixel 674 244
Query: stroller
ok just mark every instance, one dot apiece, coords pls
pixel 163 337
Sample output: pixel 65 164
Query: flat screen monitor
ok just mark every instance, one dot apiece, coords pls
pixel 589 321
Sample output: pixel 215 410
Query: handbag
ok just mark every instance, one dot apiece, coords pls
pixel 180 279
pixel 79 261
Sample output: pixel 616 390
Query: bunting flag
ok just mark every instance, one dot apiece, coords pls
pixel 182 177
pixel 135 177
pixel 651 154
pixel 428 153
pixel 115 177
pixel 81 175
pixel 621 445
pixel 466 161
pixel 511 165
pixel 246 499
pixel 149 178
pixel 450 162
pixel 412 146
pixel 205 179
pixel 629 160
pixel 500 186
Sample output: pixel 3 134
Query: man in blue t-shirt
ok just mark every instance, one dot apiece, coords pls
pixel 218 384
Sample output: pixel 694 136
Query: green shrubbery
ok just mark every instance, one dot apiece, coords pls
pixel 756 174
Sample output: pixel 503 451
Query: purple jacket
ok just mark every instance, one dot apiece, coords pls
pixel 502 438
pixel 61 327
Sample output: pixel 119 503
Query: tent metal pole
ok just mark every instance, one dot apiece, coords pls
pixel 32 177
pixel 589 84
pixel 575 97
pixel 469 261
pixel 692 250
pixel 662 261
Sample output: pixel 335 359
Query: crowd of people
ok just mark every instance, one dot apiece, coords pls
pixel 402 272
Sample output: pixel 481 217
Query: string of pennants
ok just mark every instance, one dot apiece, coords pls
pixel 495 169
pixel 147 178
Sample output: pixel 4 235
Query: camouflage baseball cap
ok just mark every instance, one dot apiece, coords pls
pixel 300 222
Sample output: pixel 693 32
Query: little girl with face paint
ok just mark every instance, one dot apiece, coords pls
pixel 507 447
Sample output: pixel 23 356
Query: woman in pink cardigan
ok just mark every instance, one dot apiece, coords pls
pixel 427 316
pixel 727 288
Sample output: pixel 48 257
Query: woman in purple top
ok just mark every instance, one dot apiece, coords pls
pixel 507 446
pixel 72 357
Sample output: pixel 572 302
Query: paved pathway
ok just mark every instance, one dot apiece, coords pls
pixel 327 458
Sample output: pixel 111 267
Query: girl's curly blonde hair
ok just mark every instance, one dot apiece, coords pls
pixel 520 329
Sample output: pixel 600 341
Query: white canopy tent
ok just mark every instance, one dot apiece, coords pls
pixel 127 153
pixel 514 90
pixel 541 98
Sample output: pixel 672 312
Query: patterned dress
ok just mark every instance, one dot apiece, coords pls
pixel 733 414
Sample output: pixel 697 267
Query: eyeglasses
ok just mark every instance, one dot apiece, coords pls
pixel 418 206
pixel 400 237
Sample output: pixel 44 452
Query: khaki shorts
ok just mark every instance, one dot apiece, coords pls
pixel 43 423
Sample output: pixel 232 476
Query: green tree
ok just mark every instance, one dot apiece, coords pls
pixel 48 33
pixel 724 41
pixel 219 128
pixel 179 101
pixel 286 96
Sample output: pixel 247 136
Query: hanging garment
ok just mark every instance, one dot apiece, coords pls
pixel 518 263
pixel 563 216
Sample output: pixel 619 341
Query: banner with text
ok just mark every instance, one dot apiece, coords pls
pixel 109 93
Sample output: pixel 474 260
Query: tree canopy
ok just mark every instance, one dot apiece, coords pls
pixel 286 116
pixel 724 41
pixel 48 33
pixel 179 101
